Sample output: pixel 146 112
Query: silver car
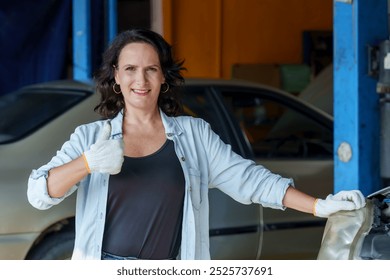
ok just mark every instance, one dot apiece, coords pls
pixel 274 128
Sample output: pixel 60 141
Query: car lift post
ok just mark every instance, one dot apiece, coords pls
pixel 82 65
pixel 82 53
pixel 358 24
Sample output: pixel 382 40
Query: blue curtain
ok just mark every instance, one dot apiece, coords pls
pixel 34 42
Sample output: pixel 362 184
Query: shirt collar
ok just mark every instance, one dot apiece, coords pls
pixel 116 124
pixel 170 124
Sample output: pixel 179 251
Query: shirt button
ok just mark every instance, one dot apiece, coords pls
pixel 169 134
pixel 189 189
pixel 183 158
pixel 101 215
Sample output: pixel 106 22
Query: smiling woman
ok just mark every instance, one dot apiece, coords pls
pixel 146 173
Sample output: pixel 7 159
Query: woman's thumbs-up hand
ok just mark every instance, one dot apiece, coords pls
pixel 106 155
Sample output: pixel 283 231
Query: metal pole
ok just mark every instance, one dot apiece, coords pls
pixel 357 24
pixel 82 64
pixel 112 20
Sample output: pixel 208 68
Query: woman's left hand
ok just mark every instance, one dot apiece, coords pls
pixel 343 200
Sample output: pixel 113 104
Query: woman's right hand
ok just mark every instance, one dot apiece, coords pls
pixel 106 155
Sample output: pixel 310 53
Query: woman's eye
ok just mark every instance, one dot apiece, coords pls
pixel 130 68
pixel 152 69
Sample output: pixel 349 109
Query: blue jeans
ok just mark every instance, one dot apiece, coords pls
pixel 109 257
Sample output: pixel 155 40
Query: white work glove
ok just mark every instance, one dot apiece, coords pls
pixel 343 200
pixel 106 155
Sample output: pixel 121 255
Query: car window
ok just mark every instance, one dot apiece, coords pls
pixel 198 103
pixel 23 112
pixel 277 131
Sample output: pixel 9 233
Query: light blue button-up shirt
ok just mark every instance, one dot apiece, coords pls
pixel 207 162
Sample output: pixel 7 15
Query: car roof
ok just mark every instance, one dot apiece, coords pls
pixel 258 86
pixel 210 82
pixel 63 84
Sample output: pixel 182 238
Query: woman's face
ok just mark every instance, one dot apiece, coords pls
pixel 139 76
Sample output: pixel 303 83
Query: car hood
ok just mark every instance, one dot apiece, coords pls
pixel 360 234
pixel 320 91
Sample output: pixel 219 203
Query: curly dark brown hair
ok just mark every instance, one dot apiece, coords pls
pixel 111 103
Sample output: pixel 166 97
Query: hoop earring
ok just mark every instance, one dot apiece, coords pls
pixel 113 88
pixel 166 90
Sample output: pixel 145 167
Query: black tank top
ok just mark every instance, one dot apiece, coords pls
pixel 145 207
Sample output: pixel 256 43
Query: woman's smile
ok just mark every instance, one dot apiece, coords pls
pixel 141 92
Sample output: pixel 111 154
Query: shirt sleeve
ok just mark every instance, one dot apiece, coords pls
pixel 240 178
pixel 37 192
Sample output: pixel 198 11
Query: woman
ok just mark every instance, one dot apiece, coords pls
pixel 142 174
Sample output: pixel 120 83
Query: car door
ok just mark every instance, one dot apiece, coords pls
pixel 290 139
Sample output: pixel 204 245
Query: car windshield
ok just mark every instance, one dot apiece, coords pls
pixel 24 111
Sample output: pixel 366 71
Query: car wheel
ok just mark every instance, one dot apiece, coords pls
pixel 56 246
